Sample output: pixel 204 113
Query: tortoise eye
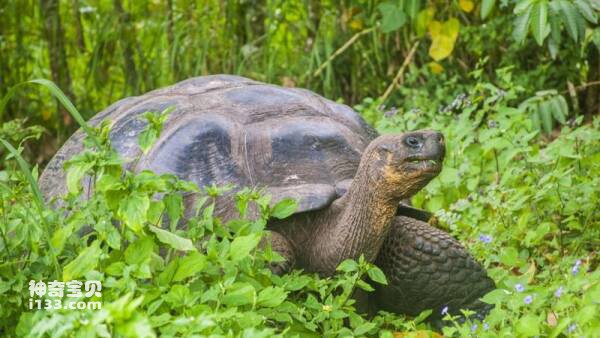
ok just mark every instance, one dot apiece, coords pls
pixel 412 142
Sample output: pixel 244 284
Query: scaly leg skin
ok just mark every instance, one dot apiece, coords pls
pixel 282 246
pixel 426 268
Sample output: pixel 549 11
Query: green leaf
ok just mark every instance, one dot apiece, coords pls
pixel 392 17
pixel 528 325
pixel 596 38
pixel 241 246
pixel 190 265
pixel 510 256
pixel 486 8
pixel 377 275
pixel 173 240
pixel 495 296
pixel 411 7
pixel 423 19
pixel 570 18
pixel 535 120
pixel 75 173
pixel 587 11
pixel 545 111
pixel 60 236
pixel 178 295
pixel 364 328
pixel 540 28
pixel 364 285
pixel 133 210
pixel 239 294
pixel 284 208
pixel 558 111
pixel 86 261
pixel 348 265
pixel 521 25
pixel 139 251
pixel 27 172
pixel 147 139
pixel 555 34
pixel 174 206
pixel 271 296
pixel 522 6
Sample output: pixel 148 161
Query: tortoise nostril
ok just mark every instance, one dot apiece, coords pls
pixel 413 142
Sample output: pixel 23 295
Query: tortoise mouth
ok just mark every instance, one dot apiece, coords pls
pixel 430 166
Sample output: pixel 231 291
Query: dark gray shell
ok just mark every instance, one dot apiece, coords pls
pixel 229 129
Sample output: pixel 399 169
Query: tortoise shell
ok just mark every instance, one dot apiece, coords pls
pixel 229 129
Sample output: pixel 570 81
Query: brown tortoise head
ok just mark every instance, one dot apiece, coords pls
pixel 403 164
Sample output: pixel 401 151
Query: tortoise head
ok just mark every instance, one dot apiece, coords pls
pixel 402 164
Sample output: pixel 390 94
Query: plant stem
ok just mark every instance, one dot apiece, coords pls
pixel 399 79
pixel 342 49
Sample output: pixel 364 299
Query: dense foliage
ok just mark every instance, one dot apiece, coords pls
pixel 513 85
pixel 99 51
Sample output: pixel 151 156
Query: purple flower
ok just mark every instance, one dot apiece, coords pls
pixel 558 292
pixel 528 299
pixel 571 328
pixel 445 310
pixel 474 328
pixel 575 268
pixel 487 239
pixel 486 326
pixel 519 287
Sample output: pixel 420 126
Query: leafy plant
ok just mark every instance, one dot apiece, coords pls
pixel 543 19
pixel 545 109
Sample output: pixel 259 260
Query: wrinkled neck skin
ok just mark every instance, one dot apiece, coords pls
pixel 355 224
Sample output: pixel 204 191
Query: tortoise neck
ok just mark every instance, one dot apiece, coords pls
pixel 367 214
pixel 358 224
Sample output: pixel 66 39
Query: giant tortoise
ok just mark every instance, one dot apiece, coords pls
pixel 349 181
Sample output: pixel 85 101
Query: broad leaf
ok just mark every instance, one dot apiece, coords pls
pixel 377 275
pixel 239 294
pixel 173 240
pixel 466 5
pixel 411 8
pixel 545 111
pixel 570 17
pixel 86 261
pixel 444 36
pixel 241 246
pixel 189 266
pixel 133 209
pixel 587 11
pixel 486 8
pixel 528 326
pixel 392 17
pixel 521 25
pixel 139 251
pixel 284 208
pixel 348 265
pixel 558 111
pixel 271 296
pixel 540 28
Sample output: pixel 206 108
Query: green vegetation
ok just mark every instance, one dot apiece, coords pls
pixel 513 85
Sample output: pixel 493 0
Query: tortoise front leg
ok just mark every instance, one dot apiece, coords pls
pixel 282 246
pixel 426 268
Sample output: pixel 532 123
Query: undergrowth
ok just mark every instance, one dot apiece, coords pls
pixel 525 206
